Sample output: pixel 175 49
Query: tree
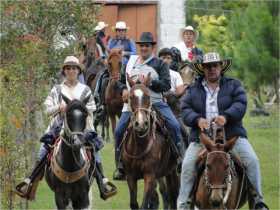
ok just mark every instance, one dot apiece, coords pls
pixel 35 37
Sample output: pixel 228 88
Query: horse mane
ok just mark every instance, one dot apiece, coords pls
pixel 76 104
pixel 141 86
pixel 114 52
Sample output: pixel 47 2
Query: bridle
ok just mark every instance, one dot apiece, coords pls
pixel 227 184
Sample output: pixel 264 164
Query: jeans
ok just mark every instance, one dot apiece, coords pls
pixel 171 123
pixel 248 158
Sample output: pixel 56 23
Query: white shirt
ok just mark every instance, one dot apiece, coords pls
pixel 176 80
pixel 184 50
pixel 212 110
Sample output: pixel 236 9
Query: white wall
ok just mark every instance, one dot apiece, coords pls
pixel 171 17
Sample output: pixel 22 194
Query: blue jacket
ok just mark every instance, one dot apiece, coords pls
pixel 232 103
pixel 127 45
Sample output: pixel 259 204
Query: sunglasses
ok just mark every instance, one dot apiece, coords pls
pixel 145 45
pixel 210 65
pixel 120 30
pixel 70 67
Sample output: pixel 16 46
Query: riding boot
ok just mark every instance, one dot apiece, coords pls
pixel 119 172
pixel 27 188
pixel 106 188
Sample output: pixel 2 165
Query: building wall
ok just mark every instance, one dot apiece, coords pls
pixel 171 14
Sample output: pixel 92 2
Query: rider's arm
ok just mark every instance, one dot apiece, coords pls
pixel 189 115
pixel 52 102
pixel 91 107
pixel 238 107
pixel 163 84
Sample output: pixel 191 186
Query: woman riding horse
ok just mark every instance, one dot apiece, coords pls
pixel 55 107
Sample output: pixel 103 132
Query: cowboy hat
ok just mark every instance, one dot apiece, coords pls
pixel 120 25
pixel 146 37
pixel 72 61
pixel 212 57
pixel 101 25
pixel 189 28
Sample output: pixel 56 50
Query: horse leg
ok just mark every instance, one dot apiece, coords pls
pixel 60 200
pixel 132 185
pixel 113 122
pixel 82 202
pixel 149 190
pixel 163 192
pixel 173 188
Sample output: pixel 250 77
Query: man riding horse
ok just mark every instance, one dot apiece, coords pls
pixel 55 107
pixel 138 67
pixel 128 48
pixel 223 100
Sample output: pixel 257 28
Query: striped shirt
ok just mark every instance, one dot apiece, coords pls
pixel 79 92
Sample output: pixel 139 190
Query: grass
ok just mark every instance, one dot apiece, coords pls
pixel 263 133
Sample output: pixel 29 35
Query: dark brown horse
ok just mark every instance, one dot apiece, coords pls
pixel 113 95
pixel 146 152
pixel 222 184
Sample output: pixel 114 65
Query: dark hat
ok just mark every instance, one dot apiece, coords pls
pixel 146 37
pixel 212 57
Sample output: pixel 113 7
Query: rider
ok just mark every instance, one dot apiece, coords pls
pixel 189 52
pixel 137 68
pixel 216 97
pixel 177 85
pixel 101 37
pixel 55 107
pixel 128 48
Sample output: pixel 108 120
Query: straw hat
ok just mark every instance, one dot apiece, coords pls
pixel 121 25
pixel 212 57
pixel 72 61
pixel 101 25
pixel 189 28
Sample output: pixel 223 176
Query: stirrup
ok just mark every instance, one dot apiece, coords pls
pixel 23 189
pixel 110 188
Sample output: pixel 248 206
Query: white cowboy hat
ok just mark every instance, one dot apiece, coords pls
pixel 212 57
pixel 189 28
pixel 120 25
pixel 72 61
pixel 100 25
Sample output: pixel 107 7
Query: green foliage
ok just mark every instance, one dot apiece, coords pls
pixel 35 37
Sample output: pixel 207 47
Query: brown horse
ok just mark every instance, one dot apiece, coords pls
pixel 146 153
pixel 187 73
pixel 222 184
pixel 113 95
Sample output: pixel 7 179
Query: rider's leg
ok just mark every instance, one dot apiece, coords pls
pixel 188 175
pixel 172 124
pixel 250 160
pixel 119 132
pixel 105 189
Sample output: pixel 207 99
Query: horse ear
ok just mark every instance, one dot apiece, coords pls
pixel 130 81
pixel 67 100
pixel 148 80
pixel 206 141
pixel 229 144
pixel 86 100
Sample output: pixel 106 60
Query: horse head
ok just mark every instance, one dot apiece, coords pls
pixel 140 104
pixel 115 63
pixel 217 171
pixel 75 121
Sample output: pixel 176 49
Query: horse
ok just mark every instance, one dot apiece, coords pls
pixel 94 67
pixel 187 73
pixel 68 172
pixel 113 95
pixel 146 153
pixel 221 182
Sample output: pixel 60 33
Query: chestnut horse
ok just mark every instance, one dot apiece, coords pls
pixel 222 184
pixel 113 95
pixel 146 152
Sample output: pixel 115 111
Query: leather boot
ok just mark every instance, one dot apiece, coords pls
pixel 106 188
pixel 119 172
pixel 27 189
